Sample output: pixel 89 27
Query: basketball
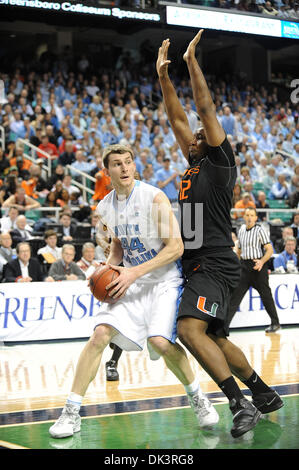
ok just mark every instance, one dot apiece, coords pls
pixel 98 282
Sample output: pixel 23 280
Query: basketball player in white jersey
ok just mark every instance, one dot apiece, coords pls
pixel 146 239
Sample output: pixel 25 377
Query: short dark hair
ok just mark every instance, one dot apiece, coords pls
pixel 19 246
pixel 251 209
pixel 50 233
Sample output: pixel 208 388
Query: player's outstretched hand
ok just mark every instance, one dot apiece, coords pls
pixel 162 60
pixel 190 52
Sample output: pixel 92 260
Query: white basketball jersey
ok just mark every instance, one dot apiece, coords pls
pixel 131 221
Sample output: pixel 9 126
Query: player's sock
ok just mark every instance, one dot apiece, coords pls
pixel 116 353
pixel 75 400
pixel 194 387
pixel 230 389
pixel 256 384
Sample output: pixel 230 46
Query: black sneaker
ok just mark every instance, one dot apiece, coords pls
pixel 267 402
pixel 245 416
pixel 272 328
pixel 111 371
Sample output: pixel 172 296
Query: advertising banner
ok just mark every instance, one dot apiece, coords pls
pixel 67 309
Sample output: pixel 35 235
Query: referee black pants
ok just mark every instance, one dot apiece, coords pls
pixel 259 280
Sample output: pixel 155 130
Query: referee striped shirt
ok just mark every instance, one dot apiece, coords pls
pixel 251 241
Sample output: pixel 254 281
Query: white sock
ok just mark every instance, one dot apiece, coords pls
pixel 74 399
pixel 194 387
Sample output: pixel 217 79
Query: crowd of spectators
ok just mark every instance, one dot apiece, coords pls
pixel 280 8
pixel 284 9
pixel 71 114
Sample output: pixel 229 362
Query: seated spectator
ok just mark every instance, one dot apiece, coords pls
pixel 68 156
pixel 47 147
pixel 148 175
pixel 287 260
pixel 22 232
pixel 295 224
pixel 88 263
pixel 237 194
pixel 269 180
pixel 268 9
pixel 280 242
pixel 35 186
pixel 80 164
pixel 4 163
pixel 261 203
pixel 7 253
pixel 68 229
pixel 94 219
pixel 51 252
pixel 280 189
pixel 76 201
pixel 103 247
pixel 21 201
pixel 23 268
pixel 243 204
pixel 167 180
pixel 65 269
pixel 8 222
pixel 67 184
pixel 58 175
pixel 63 199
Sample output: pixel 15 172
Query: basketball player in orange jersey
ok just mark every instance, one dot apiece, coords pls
pixel 210 266
pixel 146 239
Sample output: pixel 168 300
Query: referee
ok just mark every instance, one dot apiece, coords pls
pixel 255 250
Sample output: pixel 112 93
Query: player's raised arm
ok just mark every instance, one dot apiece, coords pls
pixel 204 103
pixel 175 112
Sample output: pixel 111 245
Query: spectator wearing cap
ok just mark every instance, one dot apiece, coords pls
pixel 242 204
pixel 168 181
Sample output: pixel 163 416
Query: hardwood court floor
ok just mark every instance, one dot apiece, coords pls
pixel 148 406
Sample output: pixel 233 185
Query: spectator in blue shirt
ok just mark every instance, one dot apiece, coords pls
pixel 228 121
pixel 288 258
pixel 279 190
pixel 168 181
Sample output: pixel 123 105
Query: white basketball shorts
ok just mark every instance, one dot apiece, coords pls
pixel 146 310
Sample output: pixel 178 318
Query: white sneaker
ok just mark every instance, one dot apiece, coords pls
pixel 205 412
pixel 67 424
